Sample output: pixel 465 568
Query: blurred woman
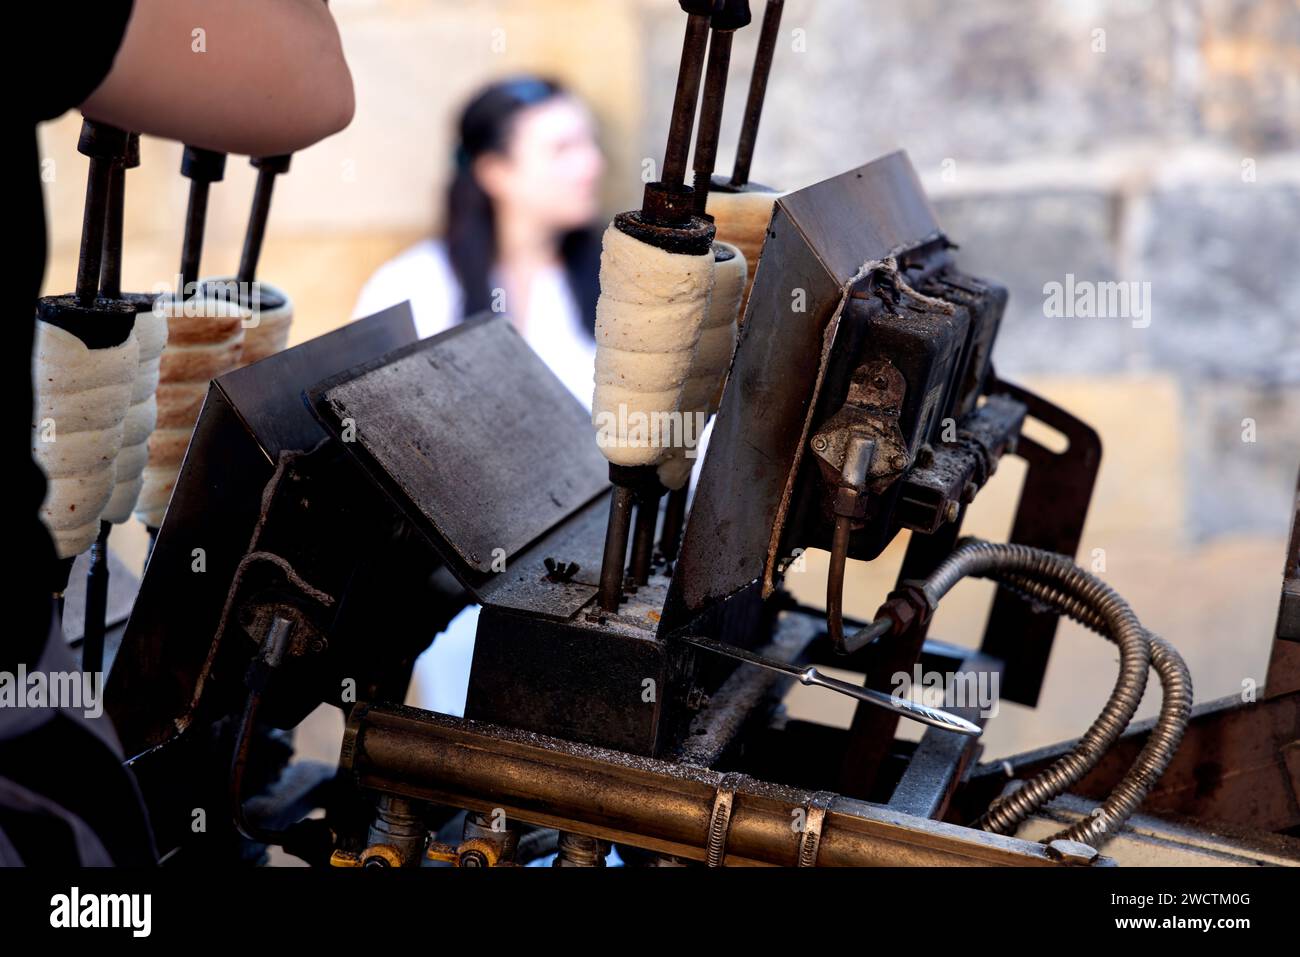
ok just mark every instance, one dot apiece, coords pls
pixel 518 236
pixel 520 239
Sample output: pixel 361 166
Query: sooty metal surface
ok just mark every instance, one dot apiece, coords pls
pixel 817 240
pixel 473 436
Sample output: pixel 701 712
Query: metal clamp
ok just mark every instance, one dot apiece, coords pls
pixel 720 818
pixel 814 816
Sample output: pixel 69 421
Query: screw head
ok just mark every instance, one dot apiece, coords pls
pixel 819 443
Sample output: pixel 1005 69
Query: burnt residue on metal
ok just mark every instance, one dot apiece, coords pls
pixel 820 236
pixel 950 474
pixel 483 478
pixel 608 681
pixel 656 805
pixel 527 585
pixel 740 699
pixel 250 417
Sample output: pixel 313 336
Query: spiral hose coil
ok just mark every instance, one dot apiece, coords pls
pixel 1165 735
pixel 1054 579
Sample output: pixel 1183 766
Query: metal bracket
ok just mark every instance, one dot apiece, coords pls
pixel 870 412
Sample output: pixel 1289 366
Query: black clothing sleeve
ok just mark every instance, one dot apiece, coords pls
pixel 76 42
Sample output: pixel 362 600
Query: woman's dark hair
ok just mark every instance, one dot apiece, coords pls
pixel 485 126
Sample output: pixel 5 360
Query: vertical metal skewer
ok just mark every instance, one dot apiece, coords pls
pixel 689 72
pixel 95 623
pixel 202 168
pixel 643 536
pixel 767 37
pixel 616 536
pixel 665 220
pixel 101 144
pixel 268 167
pixel 733 16
pixel 98 321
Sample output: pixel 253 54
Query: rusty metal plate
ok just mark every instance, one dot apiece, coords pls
pixel 817 240
pixel 478 442
pixel 250 416
pixel 525 585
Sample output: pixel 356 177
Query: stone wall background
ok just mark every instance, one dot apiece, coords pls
pixel 1140 140
pixel 1110 139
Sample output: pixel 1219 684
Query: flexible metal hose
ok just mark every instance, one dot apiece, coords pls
pixel 980 558
pixel 1165 735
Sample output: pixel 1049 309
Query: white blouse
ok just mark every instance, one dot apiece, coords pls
pixel 553 326
pixel 554 330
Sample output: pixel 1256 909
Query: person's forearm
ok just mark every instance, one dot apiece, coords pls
pixel 260 77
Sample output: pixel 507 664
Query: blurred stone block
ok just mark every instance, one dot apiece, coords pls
pixel 1243 455
pixel 1026 241
pixel 1222 261
pixel 984 81
pixel 1251 55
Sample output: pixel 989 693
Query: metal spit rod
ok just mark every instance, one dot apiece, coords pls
pixel 767 37
pixel 665 219
pixel 733 16
pixel 202 168
pixel 268 167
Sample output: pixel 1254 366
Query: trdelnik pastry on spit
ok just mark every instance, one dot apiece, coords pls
pixel 742 219
pixel 266 332
pixel 205 339
pixel 80 404
pixel 151 336
pixel 649 317
pixel 711 359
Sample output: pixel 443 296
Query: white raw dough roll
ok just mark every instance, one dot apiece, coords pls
pixel 652 306
pixel 742 220
pixel 151 336
pixel 710 360
pixel 205 339
pixel 642 371
pixel 80 404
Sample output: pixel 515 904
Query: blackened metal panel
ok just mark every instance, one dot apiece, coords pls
pixel 864 214
pixel 610 687
pixel 268 394
pixel 527 584
pixel 473 436
pixel 215 507
pixel 818 239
